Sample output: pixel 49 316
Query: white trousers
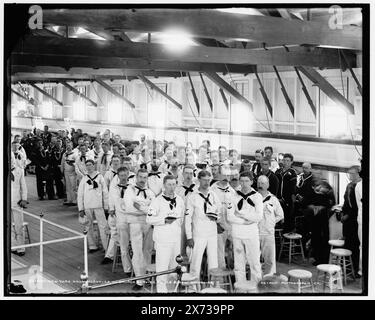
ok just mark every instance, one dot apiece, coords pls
pixel 247 250
pixel 221 246
pixel 18 235
pixel 268 252
pixel 71 186
pixel 110 253
pixel 102 223
pixel 200 244
pixel 124 238
pixel 139 237
pixel 166 253
pixel 360 247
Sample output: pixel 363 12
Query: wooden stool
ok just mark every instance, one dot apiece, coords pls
pixel 278 237
pixel 226 274
pixel 336 243
pixel 213 290
pixel 334 276
pixel 343 258
pixel 151 269
pixel 246 287
pixel 290 242
pixel 301 275
pixel 189 281
pixel 26 232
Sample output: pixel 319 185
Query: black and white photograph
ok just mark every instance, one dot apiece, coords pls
pixel 202 150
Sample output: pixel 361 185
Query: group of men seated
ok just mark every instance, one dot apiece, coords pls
pixel 171 200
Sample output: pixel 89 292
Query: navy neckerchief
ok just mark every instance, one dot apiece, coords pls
pixel 201 166
pixel 141 190
pixel 92 181
pixel 114 173
pixel 212 182
pixel 104 159
pixel 206 200
pixel 17 155
pixel 82 157
pixel 245 197
pixel 194 173
pixel 123 188
pixel 172 201
pixel 168 164
pixel 131 176
pixel 302 180
pixel 154 174
pixel 189 189
pixel 226 189
pixel 267 198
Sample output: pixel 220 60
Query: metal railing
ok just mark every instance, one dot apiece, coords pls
pixel 42 243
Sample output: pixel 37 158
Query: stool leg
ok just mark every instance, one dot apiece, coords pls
pixel 230 283
pixel 324 281
pixel 312 285
pixel 299 285
pixel 291 242
pixel 281 248
pixel 330 283
pixel 352 267
pixel 342 263
pixel 301 246
pixel 339 281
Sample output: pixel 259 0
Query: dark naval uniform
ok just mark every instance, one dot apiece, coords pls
pixel 285 194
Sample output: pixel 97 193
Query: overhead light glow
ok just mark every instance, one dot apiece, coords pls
pixel 248 11
pixel 114 111
pixel 176 40
pixel 156 114
pixel 241 118
pixel 335 121
pixel 47 108
pixel 81 30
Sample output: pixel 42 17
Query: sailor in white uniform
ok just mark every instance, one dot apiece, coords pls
pixel 166 214
pixel 93 199
pixel 68 170
pixel 201 216
pixel 272 214
pixel 244 219
pixel 18 201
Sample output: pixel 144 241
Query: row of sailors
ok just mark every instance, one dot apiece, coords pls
pixel 186 218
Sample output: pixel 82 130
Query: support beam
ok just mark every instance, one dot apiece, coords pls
pixel 264 95
pixel 209 23
pixel 114 66
pixel 194 94
pixel 225 100
pixel 207 93
pixel 156 88
pixel 46 94
pixel 327 88
pixel 285 93
pixel 75 91
pixel 351 71
pixel 306 92
pixel 32 101
pixel 115 93
pixel 229 89
pixel 131 50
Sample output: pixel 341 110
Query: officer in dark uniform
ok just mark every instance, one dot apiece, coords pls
pixel 41 160
pixel 349 217
pixel 272 178
pixel 287 191
pixel 46 137
pixel 55 156
pixel 256 168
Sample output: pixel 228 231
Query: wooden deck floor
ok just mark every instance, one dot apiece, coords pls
pixel 64 261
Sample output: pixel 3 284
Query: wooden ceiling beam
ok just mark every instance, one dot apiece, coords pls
pixel 149 83
pixel 209 23
pixel 221 83
pixel 327 88
pixel 114 92
pixel 45 93
pixel 158 52
pixel 116 66
pixel 75 91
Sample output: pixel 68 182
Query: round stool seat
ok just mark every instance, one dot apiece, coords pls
pixel 151 268
pixel 336 243
pixel 246 286
pixel 188 277
pixel 213 290
pixel 329 268
pixel 300 274
pixel 292 236
pixel 341 252
pixel 217 272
